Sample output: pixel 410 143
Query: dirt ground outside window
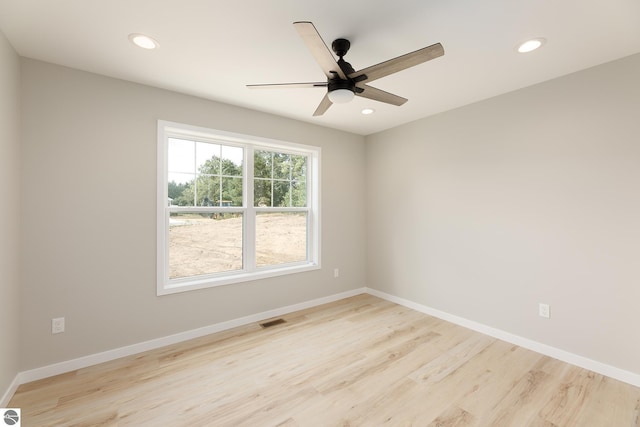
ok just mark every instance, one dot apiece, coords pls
pixel 204 244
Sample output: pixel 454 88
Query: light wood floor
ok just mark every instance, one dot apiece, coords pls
pixel 356 362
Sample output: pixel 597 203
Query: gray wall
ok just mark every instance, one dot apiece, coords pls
pixel 9 211
pixel 89 229
pixel 481 212
pixel 532 196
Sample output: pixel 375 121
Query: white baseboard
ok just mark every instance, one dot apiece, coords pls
pixel 547 350
pixel 94 359
pixel 4 401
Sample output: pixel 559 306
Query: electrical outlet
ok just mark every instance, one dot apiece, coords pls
pixel 544 311
pixel 57 325
pixel 336 272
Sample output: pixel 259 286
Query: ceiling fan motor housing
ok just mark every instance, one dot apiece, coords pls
pixel 340 47
pixel 337 83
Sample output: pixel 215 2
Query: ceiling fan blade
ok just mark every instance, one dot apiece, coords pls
pixel 324 105
pixel 287 85
pixel 400 63
pixel 376 94
pixel 319 49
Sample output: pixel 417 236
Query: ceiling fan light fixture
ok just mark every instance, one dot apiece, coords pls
pixel 343 81
pixel 530 45
pixel 341 96
pixel 143 41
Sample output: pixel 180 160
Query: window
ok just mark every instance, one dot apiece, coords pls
pixel 233 208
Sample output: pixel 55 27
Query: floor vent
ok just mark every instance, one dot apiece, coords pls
pixel 271 323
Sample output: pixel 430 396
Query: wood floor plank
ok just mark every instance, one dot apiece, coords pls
pixel 437 369
pixel 569 398
pixel 454 417
pixel 524 401
pixel 361 361
pixel 610 403
pixel 504 364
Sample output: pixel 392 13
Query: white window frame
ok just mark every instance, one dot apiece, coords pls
pixel 250 271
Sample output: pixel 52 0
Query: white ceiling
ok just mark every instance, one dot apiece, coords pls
pixel 212 48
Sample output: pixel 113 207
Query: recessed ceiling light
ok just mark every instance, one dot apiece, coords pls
pixel 367 111
pixel 530 45
pixel 143 41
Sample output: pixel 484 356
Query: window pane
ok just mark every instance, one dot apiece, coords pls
pixel 231 192
pixel 180 156
pixel 262 193
pixel 204 243
pixel 281 194
pixel 281 238
pixel 208 190
pixel 281 166
pixel 180 189
pixel 207 158
pixel 178 192
pixel 262 164
pixel 299 194
pixel 180 178
pixel 232 160
pixel 299 167
pixel 280 179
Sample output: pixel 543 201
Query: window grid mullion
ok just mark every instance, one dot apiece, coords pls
pixel 195 174
pixel 220 177
pixel 272 186
pixel 290 182
pixel 249 232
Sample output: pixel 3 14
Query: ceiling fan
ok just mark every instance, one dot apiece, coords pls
pixel 343 82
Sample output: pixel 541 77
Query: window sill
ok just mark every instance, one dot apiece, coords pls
pixel 194 283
